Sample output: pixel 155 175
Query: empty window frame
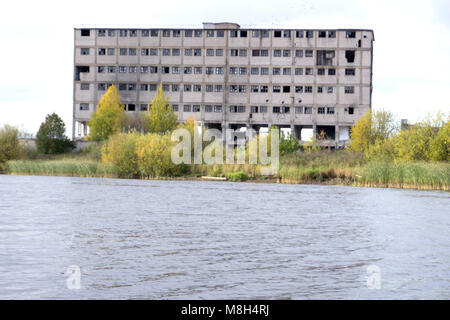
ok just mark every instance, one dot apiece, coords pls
pixel 299 53
pixel 145 33
pixel 349 89
pixel 196 108
pixel 332 72
pixel 176 33
pixel 299 34
pixel 123 51
pixel 217 108
pixel 308 110
pixel 85 32
pixel 309 34
pixel 309 53
pixel 350 72
pixel 264 71
pixel 277 34
pixel 350 34
pixel 321 110
pixel 101 51
pixel 298 71
pixel 198 33
pixel 330 110
pixel 187 108
pixel 84 106
pixel 219 52
pixel 197 52
pixel 84 51
pixel 133 33
pixel 350 56
pixel 123 33
pixel 325 57
pixel 166 33
pixel 322 34
pixel 132 51
pixel 175 52
pixel 84 86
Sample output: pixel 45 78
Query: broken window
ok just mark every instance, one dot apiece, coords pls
pixel 332 72
pixel 84 106
pixel 286 33
pixel 325 57
pixel 276 109
pixel 254 89
pixel 153 69
pixel 254 109
pixel 349 89
pixel 233 33
pixel 188 33
pixel 175 87
pixel 111 33
pixel 166 33
pixel 359 43
pixel 198 33
pixel 197 88
pixel 299 53
pixel 133 33
pixel 286 109
pixel 210 33
pixel 243 33
pixel 276 71
pixel 308 110
pixel 84 51
pixel 84 86
pixel 286 89
pixel 123 51
pixel 144 87
pixel 234 52
pixel 165 70
pixel 85 32
pixel 351 110
pixel 299 34
pixel 145 52
pixel 299 110
pixel 309 71
pixel 330 110
pixel 321 110
pixel 101 32
pixel 310 34
pixel 276 89
pixel 277 53
pixel 131 107
pixel 308 89
pixel 277 34
pixel 264 89
pixel 145 33
pixel 322 34
pixel 101 86
pixel 123 33
pixel 350 56
pixel 143 107
pixel 350 34
pixel 187 70
pixel 286 71
pixel 111 69
pixel 131 87
pixel 175 70
pixel 176 33
pixel 308 53
pixel 111 51
pixel 349 72
pixel 331 34
pixel 319 89
pixel 187 88
pixel 298 89
pixel 195 108
pixel 101 69
pixel 197 52
pixel 153 33
pixel 329 89
pixel 286 53
pixel 80 69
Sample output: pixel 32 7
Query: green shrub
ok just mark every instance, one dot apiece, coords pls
pixel 10 147
pixel 237 176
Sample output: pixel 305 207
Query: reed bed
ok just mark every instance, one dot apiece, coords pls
pixel 64 167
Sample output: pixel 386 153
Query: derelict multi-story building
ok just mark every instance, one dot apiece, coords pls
pixel 228 77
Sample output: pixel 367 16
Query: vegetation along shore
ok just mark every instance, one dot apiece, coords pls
pixel 139 146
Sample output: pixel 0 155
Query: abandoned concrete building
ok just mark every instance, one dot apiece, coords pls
pixel 228 77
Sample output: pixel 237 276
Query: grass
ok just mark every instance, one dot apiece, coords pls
pixel 324 167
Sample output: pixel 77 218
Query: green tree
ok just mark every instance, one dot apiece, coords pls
pixel 288 143
pixel 109 116
pixel 10 148
pixel 440 145
pixel 51 138
pixel 161 118
pixel 372 129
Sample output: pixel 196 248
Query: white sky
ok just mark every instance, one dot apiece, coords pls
pixel 411 49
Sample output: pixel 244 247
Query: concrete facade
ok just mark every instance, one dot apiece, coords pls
pixel 228 77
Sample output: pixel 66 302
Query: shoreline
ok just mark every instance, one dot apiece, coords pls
pixel 330 182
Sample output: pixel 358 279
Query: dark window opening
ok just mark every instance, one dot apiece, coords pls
pixel 351 110
pixel 359 43
pixel 328 131
pixel 310 34
pixel 286 88
pixel 243 33
pixel 131 107
pixel 350 56
pixel 350 34
pixel 325 57
pixel 85 32
pixel 80 69
pixel 277 34
pixel 322 34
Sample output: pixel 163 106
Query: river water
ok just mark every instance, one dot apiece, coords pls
pixel 90 238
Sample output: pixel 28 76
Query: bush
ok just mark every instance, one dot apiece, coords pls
pixel 10 148
pixel 120 150
pixel 237 176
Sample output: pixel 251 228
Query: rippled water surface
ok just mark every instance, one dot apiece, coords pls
pixel 137 239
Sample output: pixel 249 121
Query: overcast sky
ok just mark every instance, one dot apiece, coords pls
pixel 411 49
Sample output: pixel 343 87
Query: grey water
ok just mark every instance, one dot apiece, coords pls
pixel 91 238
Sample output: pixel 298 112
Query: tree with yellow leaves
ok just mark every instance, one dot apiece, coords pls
pixel 161 118
pixel 109 116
